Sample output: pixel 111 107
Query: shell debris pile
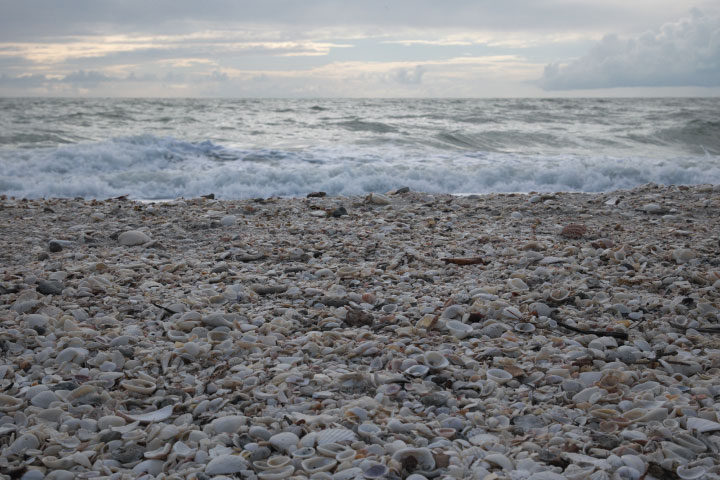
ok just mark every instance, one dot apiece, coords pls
pixel 273 338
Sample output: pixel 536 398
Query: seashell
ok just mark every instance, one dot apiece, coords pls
pixel 458 329
pixel 137 385
pixel 10 404
pixel 517 285
pixel 691 473
pixel 330 449
pixel 267 392
pixel 315 465
pixel 683 255
pixel 702 425
pixel 218 336
pixel 275 462
pixel 351 473
pixel 284 441
pixel 367 430
pixel 303 453
pixel 277 474
pixel 228 424
pixel 417 370
pixel 226 464
pixel 422 457
pixel 158 453
pixel 499 376
pixel 183 450
pixel 435 360
pixel 500 460
pixel 149 417
pixel 345 455
pixel 376 471
pixel 558 295
pixel 573 230
pixel 335 435
pixel 524 327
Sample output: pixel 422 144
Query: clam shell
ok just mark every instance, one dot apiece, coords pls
pixel 335 435
pixel 367 430
pixel 423 457
pixel 499 376
pixel 318 464
pixel 149 417
pixel 691 473
pixel 10 404
pixel 702 425
pixel 435 360
pixel 138 385
pixel 417 370
pixel 277 473
pixel 376 471
pixel 524 327
pixel 458 329
pixel 558 294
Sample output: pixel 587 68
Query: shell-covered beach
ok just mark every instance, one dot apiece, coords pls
pixel 406 335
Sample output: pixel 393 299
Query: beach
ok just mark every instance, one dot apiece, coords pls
pixel 409 335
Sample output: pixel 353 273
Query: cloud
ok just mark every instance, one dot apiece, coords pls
pixel 684 53
pixel 410 76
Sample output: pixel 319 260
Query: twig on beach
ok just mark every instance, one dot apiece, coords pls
pixel 699 329
pixel 599 333
pixel 466 261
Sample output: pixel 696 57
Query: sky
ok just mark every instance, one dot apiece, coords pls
pixel 369 48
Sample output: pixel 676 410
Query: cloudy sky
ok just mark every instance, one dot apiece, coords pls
pixel 369 48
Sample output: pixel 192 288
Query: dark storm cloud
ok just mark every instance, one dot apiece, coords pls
pixel 686 53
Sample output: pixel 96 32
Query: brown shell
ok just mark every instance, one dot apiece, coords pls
pixel 574 230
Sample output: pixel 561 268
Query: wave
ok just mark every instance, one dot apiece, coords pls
pixel 363 126
pixel 149 167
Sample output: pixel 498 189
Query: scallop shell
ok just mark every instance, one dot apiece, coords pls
pixel 318 464
pixel 335 435
pixel 435 360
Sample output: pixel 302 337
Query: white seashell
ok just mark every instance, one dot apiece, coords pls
pixel 284 441
pixel 228 424
pixel 558 294
pixel 138 385
pixel 417 370
pixel 702 425
pixel 158 453
pixel 367 430
pixel 303 453
pixel 149 417
pixel 335 435
pixel 691 473
pixel 435 360
pixel 277 474
pixel 351 473
pixel 133 237
pixel 423 457
pixel 500 460
pixel 183 450
pixel 517 285
pixel 499 376
pixel 151 467
pixel 376 471
pixel 10 404
pixel 458 329
pixel 330 449
pixel 176 336
pixel 683 255
pixel 345 455
pixel 226 464
pixel 318 464
pixel 524 327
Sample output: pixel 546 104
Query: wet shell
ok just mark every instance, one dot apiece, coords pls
pixel 335 435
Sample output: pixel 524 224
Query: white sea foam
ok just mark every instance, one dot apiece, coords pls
pixel 158 168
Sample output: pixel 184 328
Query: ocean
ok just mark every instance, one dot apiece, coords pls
pixel 234 148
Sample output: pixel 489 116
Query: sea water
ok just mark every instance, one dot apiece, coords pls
pixel 234 148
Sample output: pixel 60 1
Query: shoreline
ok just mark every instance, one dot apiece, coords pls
pixel 554 334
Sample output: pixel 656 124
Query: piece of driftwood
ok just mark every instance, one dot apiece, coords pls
pixel 599 333
pixel 466 261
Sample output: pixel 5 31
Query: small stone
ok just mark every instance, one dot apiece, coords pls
pixel 338 212
pixel 57 245
pixel 49 287
pixel 535 199
pixel 377 199
pixel 133 237
pixel 316 194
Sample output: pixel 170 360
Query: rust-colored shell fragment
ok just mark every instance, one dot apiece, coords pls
pixel 573 230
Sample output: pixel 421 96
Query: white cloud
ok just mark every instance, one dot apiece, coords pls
pixel 684 53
